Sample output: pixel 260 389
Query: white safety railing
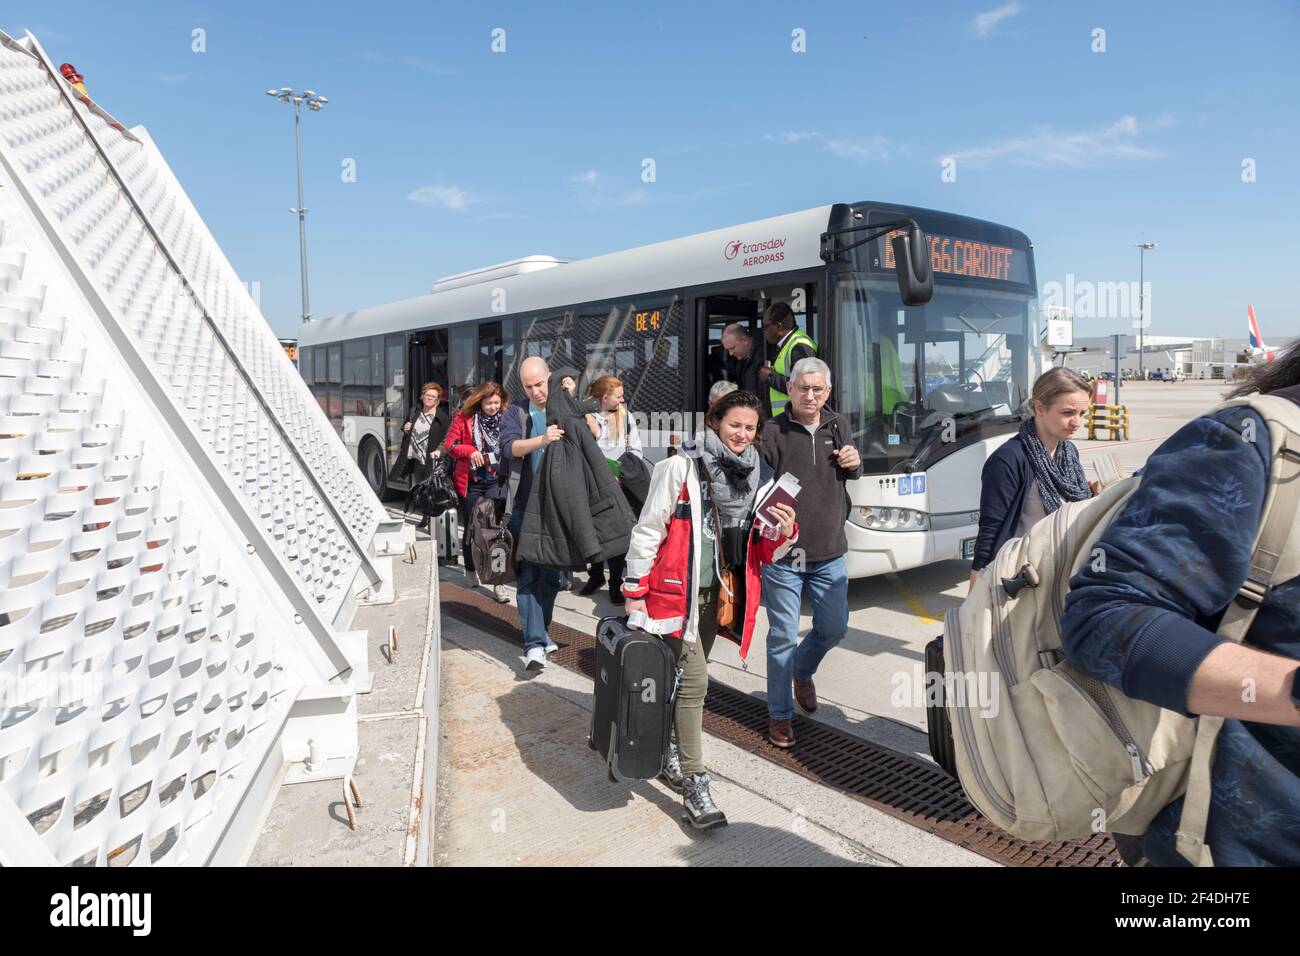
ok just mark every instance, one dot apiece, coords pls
pixel 127 228
pixel 143 681
pixel 182 535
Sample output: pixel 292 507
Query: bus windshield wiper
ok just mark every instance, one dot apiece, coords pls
pixel 935 436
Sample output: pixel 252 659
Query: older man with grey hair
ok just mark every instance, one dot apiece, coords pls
pixel 810 442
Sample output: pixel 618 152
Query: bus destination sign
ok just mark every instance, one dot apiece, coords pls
pixel 969 258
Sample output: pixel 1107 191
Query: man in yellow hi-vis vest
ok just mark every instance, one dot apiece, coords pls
pixel 790 344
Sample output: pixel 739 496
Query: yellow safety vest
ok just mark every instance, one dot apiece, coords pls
pixel 893 390
pixel 781 366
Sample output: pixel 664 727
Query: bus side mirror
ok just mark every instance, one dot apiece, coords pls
pixel 912 265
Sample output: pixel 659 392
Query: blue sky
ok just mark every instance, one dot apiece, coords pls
pixel 466 157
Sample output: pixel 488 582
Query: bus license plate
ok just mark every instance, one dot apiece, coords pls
pixel 968 549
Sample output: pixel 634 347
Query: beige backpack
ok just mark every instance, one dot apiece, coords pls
pixel 1054 754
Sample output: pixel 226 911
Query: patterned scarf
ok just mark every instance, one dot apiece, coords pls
pixel 1060 476
pixel 419 447
pixel 487 432
pixel 733 489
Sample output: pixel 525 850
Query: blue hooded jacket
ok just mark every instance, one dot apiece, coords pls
pixel 1174 558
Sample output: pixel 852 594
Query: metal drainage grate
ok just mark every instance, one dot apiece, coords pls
pixel 898 784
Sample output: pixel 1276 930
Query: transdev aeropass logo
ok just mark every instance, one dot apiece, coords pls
pixel 755 253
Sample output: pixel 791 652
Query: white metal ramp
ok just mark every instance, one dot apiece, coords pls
pixel 183 537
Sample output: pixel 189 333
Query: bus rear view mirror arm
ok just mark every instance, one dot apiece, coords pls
pixel 911 255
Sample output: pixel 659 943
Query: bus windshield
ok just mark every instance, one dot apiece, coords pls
pixel 913 380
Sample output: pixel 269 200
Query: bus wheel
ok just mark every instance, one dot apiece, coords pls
pixel 371 460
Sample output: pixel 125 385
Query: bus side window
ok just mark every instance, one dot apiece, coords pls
pixel 335 379
pixel 656 387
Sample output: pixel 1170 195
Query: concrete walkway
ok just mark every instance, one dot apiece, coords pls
pixel 308 825
pixel 518 785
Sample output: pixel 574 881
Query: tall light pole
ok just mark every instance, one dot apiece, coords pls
pixel 1143 249
pixel 314 103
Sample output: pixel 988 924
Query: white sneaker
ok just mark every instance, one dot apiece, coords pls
pixel 551 646
pixel 534 659
pixel 499 592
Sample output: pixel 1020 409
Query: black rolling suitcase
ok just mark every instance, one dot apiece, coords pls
pixel 937 724
pixel 636 685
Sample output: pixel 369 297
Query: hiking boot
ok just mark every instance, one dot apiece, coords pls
pixel 698 806
pixel 805 697
pixel 780 733
pixel 672 772
pixel 551 646
pixel 616 596
pixel 594 584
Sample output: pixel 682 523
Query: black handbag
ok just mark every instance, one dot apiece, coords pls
pixel 635 480
pixel 436 493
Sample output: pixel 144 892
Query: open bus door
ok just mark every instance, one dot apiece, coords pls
pixel 713 314
pixel 426 361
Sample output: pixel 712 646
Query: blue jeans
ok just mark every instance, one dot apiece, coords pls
pixel 536 588
pixel 827 584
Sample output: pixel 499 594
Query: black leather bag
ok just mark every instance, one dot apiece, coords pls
pixel 635 480
pixel 436 493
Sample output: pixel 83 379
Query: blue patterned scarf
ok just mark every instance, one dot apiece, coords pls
pixel 1059 476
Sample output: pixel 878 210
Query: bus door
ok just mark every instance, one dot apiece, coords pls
pixel 714 314
pixel 426 361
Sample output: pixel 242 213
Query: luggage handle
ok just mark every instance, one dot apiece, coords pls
pixel 1026 577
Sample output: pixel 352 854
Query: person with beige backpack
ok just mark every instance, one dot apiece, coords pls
pixel 1145 645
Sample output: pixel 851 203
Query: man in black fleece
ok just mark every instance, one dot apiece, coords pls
pixel 810 442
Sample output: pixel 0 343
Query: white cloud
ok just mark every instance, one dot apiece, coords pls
pixel 791 137
pixel 1048 148
pixel 587 179
pixel 985 22
pixel 873 148
pixel 449 197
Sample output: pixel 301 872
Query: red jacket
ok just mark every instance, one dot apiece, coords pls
pixel 460 443
pixel 663 558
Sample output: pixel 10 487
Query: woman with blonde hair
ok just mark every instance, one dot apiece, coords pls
pixel 1030 476
pixel 616 435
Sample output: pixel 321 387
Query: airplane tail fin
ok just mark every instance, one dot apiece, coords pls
pixel 1256 340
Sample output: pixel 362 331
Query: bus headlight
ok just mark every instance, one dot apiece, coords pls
pixel 889 519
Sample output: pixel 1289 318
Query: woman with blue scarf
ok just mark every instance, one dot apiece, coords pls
pixel 474 440
pixel 1034 473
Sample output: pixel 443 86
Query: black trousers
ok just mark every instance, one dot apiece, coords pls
pixel 616 567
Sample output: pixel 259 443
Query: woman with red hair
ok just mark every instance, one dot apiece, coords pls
pixel 474 441
pixel 423 431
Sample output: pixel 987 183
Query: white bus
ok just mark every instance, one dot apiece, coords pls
pixel 930 389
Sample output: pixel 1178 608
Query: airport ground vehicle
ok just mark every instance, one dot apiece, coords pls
pixel 930 389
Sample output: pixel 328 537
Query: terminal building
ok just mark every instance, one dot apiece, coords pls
pixel 1188 357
